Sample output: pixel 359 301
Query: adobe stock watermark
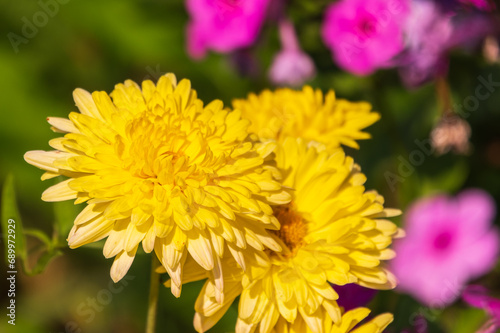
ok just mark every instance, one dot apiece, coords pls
pixel 11 270
pixel 154 74
pixel 225 8
pixel 87 309
pixel 420 318
pixel 482 92
pixel 417 157
pixel 31 25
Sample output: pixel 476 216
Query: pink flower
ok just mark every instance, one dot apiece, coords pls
pixel 449 242
pixel 223 25
pixel 364 34
pixel 291 66
pixel 478 297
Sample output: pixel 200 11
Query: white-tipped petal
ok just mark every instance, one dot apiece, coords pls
pixel 176 290
pixel 148 243
pixel 122 264
pixel 244 327
pixel 89 232
pixel 59 192
pixel 85 103
pixel 200 248
pixel 45 159
pixel 219 280
pixel 62 125
pixel 217 243
pixel 314 321
pixel 171 256
pixel 114 243
pixel 135 234
pixel 87 214
pixel 176 276
pixel 269 320
pixel 333 310
pixel 49 175
pixel 203 324
pixel 237 255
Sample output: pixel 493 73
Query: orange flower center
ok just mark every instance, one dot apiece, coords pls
pixel 293 226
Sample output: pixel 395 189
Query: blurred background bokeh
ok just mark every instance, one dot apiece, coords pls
pixel 95 44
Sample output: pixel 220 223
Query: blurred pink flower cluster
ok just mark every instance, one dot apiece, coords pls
pixel 449 242
pixel 223 25
pixel 363 36
pixel 414 36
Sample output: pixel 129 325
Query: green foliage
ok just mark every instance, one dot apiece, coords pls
pixel 17 235
pixel 12 226
pixel 448 180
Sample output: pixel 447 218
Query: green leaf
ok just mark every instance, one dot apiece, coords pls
pixel 42 262
pixel 11 220
pixel 41 236
pixel 457 320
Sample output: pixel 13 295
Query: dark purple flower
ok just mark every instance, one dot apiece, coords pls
pixel 353 296
pixel 480 4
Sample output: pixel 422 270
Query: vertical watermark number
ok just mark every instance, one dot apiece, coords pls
pixel 11 271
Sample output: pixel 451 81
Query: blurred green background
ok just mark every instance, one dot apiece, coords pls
pixel 94 45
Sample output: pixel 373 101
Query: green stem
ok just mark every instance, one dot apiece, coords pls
pixel 154 286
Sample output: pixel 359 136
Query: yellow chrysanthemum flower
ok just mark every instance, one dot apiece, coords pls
pixel 157 166
pixel 328 121
pixel 333 232
pixel 349 323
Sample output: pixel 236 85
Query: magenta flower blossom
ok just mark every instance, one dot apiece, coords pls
pixel 477 296
pixel 364 34
pixel 291 66
pixel 223 25
pixel 449 242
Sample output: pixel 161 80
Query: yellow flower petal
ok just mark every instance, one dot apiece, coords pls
pixel 85 103
pixel 121 264
pixel 62 125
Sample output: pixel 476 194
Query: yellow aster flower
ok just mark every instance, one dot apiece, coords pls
pixel 333 232
pixel 157 167
pixel 307 114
